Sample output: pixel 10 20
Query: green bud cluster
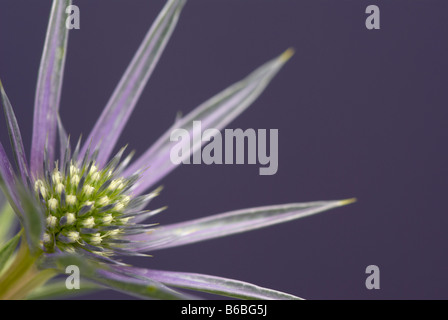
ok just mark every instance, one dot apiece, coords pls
pixel 84 207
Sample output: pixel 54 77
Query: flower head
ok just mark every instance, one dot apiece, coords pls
pixel 88 209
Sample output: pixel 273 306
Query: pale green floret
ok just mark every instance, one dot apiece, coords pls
pixel 73 236
pixel 124 220
pixel 88 190
pixel 93 169
pixel 89 222
pixel 51 221
pixel 95 176
pixel 107 219
pixel 116 184
pixel 73 170
pixel 46 238
pixel 74 180
pixel 59 188
pixel 70 218
pixel 103 201
pixel 52 204
pixel 39 186
pixel 95 239
pixel 114 232
pixel 125 200
pixel 71 200
pixel 119 207
pixel 88 203
pixel 56 176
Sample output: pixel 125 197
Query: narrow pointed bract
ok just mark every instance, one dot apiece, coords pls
pixel 49 85
pixel 210 284
pixel 229 223
pixel 114 278
pixel 33 221
pixel 8 183
pixel 15 136
pixel 64 144
pixel 217 112
pixel 122 102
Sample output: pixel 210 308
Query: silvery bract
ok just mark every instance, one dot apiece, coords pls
pixel 85 207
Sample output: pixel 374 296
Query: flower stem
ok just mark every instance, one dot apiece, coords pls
pixel 23 276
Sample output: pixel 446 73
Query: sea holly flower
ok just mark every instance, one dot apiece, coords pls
pixel 81 206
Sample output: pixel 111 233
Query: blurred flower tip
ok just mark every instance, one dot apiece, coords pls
pixel 347 201
pixel 287 54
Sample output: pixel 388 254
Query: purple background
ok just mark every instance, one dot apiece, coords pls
pixel 360 114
